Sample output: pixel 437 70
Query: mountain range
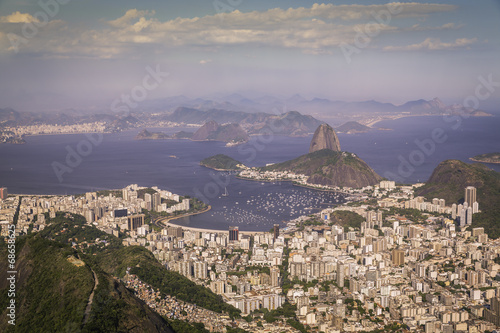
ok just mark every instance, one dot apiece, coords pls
pixel 235 108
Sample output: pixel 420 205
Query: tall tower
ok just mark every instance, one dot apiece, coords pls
pixel 470 195
pixel 276 231
pixel 3 193
pixel 340 275
pixel 233 234
pixel 275 275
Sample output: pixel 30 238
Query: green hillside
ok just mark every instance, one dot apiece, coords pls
pixel 114 259
pixel 220 162
pixel 449 180
pixel 328 167
pixel 53 288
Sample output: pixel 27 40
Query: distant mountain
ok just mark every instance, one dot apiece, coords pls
pixel 291 123
pixel 226 133
pixel 122 124
pixel 328 167
pixel 449 180
pixel 9 115
pixel 147 135
pixel 324 138
pixel 352 127
pixel 221 162
pixel 183 135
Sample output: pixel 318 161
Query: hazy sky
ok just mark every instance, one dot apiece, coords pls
pixel 85 54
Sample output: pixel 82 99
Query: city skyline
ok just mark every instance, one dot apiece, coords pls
pixel 85 55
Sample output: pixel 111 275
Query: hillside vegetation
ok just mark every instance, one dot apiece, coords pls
pixel 53 286
pixel 220 162
pixel 327 167
pixel 449 180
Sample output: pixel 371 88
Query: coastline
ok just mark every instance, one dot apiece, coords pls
pixel 399 116
pixel 486 162
pixel 166 221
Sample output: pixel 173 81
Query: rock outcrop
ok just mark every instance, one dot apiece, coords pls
pixel 324 138
pixel 212 131
pixel 328 167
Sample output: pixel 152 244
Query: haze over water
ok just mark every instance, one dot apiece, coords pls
pixel 174 165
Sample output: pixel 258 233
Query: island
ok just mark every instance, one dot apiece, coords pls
pixel 352 127
pixel 487 158
pixel 147 135
pixel 222 162
pixel 232 134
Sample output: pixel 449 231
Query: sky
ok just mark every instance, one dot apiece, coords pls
pixel 60 54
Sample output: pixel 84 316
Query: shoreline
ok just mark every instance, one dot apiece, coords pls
pixel 486 162
pixel 166 221
pixel 395 117
pixel 294 183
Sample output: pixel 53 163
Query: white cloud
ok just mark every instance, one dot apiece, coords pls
pixel 433 44
pixel 130 15
pixel 446 26
pixel 205 61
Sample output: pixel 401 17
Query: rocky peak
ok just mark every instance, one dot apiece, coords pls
pixel 204 132
pixel 324 138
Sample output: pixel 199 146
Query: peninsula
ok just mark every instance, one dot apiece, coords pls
pixel 487 158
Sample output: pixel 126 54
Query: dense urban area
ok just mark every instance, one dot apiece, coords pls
pixel 388 261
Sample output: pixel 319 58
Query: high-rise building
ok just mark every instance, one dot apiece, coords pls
pixel 398 257
pixel 276 231
pixel 156 201
pixel 233 234
pixel 470 195
pixel 469 215
pixel 135 221
pixel 3 193
pixel 275 276
pixel 340 275
pixel 200 270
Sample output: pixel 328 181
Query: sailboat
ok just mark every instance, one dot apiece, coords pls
pixel 225 194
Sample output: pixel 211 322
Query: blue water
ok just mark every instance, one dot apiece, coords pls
pixel 119 161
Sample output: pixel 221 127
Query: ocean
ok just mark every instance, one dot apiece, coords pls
pixel 407 150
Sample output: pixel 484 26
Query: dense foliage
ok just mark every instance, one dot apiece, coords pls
pixel 346 218
pixel 449 180
pixel 220 162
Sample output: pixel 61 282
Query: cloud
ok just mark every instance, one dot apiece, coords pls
pixel 433 44
pixel 318 29
pixel 18 17
pixel 446 26
pixel 204 62
pixel 130 15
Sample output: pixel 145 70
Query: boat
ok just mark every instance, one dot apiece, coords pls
pixel 225 194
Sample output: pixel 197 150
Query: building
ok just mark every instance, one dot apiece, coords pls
pixel 275 277
pixel 233 234
pixel 340 275
pixel 493 314
pixel 470 195
pixel 200 270
pixel 388 184
pixel 398 257
pixel 276 231
pixel 3 193
pixel 155 201
pixel 120 212
pixel 135 221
